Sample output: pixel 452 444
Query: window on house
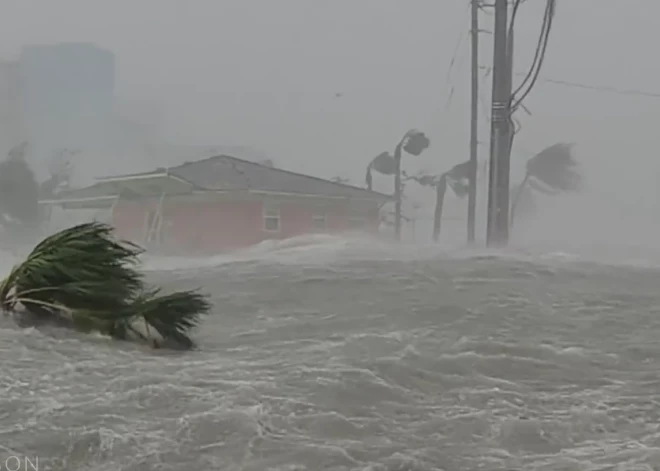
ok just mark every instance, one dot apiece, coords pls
pixel 319 220
pixel 271 217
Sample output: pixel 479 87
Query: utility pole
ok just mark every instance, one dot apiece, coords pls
pixel 505 184
pixel 498 184
pixel 474 110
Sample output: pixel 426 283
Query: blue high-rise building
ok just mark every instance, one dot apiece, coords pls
pixel 66 96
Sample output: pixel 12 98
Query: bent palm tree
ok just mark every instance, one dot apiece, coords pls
pixel 413 142
pixel 552 171
pixel 383 163
pixel 83 278
pixel 457 178
pixel 526 204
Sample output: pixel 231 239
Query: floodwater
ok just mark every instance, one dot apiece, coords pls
pixel 346 355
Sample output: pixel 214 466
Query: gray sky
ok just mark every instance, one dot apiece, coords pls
pixel 264 73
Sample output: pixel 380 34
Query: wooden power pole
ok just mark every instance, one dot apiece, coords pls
pixel 498 184
pixel 474 110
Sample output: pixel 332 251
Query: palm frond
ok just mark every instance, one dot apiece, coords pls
pixel 384 163
pixel 81 267
pixel 551 172
pixel 117 324
pixel 458 179
pixel 556 168
pixel 523 200
pixel 96 321
pixel 171 315
pixel 84 278
pixel 424 179
pixel 415 142
pixel 542 188
pixel 459 187
pixel 460 171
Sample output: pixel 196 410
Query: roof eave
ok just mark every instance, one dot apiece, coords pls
pixel 78 200
pixel 131 176
pixel 142 176
pixel 371 197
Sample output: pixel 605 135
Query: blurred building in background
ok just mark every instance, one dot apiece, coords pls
pixel 11 131
pixel 66 96
pixel 62 100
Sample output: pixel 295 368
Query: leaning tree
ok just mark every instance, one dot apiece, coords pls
pixel 552 171
pixel 527 204
pixel 457 178
pixel 414 143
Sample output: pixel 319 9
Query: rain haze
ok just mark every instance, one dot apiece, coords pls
pixel 267 75
pixel 345 349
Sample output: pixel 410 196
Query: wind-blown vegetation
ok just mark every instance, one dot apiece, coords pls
pixel 552 171
pixel 84 278
pixel 457 178
pixel 413 142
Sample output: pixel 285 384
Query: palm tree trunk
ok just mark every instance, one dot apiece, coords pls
pixel 368 178
pixel 516 199
pixel 440 190
pixel 397 189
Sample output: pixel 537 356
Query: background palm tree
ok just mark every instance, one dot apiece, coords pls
pixel 457 178
pixel 85 278
pixel 552 171
pixel 383 163
pixel 414 143
pixel 527 204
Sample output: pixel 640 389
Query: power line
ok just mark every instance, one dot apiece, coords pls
pixel 532 76
pixel 605 89
pixel 596 88
pixel 457 49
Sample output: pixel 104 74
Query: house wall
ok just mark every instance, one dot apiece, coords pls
pixel 214 226
pixel 211 226
pixel 128 219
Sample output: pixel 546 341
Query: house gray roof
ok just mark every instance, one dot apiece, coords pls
pixel 226 173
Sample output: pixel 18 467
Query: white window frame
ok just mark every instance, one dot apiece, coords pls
pixel 271 211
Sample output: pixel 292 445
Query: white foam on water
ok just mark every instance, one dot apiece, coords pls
pixel 381 366
pixel 328 249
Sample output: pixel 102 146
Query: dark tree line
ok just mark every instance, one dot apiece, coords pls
pixel 20 192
